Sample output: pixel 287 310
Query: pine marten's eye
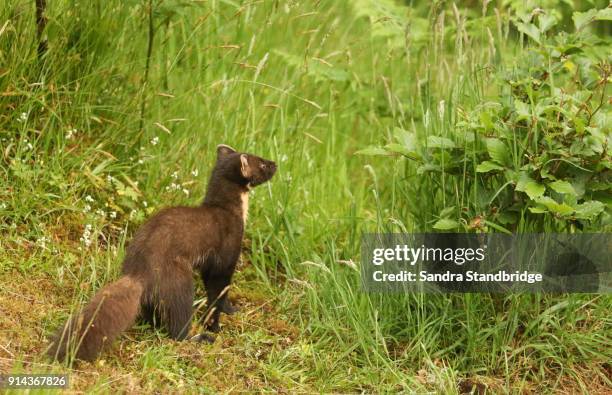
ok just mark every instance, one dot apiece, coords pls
pixel 263 166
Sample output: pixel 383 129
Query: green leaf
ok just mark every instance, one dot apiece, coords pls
pixel 400 149
pixel 439 142
pixel 372 151
pixel 529 186
pixel 534 190
pixel 446 224
pixel 581 19
pixel 522 110
pixel 486 120
pixel 498 151
pixel 405 138
pixel 447 211
pixel 554 207
pixel 523 179
pixel 562 187
pixel 530 30
pixel 546 21
pixel 589 210
pixel 487 166
pixel 604 14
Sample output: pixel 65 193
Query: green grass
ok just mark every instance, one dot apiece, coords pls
pixel 306 85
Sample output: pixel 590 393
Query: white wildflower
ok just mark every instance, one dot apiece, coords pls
pixel 86 238
pixel 87 208
pixel 140 161
pixel 112 214
pixel 23 117
pixel 195 173
pixel 42 241
pixel 88 198
pixel 144 203
pixel 154 140
pixel 100 213
pixel 70 133
pixel 174 175
pixel 186 191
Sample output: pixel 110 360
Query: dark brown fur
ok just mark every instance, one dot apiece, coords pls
pixel 157 279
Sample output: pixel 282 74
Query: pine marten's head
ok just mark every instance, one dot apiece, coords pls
pixel 242 168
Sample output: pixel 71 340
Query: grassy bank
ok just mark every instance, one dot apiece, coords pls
pixel 99 132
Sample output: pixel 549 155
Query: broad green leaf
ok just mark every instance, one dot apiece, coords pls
pixel 486 120
pixel 562 187
pixel 405 138
pixel 589 210
pixel 400 149
pixel 439 142
pixel 554 207
pixel 372 151
pixel 498 151
pixel 521 182
pixel 546 21
pixel 447 211
pixel 534 190
pixel 522 110
pixel 530 30
pixel 446 224
pixel 604 14
pixel 487 166
pixel 581 19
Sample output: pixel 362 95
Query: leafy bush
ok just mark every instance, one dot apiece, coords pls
pixel 538 153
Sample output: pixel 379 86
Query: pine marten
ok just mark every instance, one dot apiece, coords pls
pixel 157 274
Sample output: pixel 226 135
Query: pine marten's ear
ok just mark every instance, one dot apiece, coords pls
pixel 223 150
pixel 245 169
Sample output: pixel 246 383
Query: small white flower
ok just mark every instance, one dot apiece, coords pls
pixel 86 237
pixel 174 175
pixel 144 203
pixel 70 133
pixel 88 198
pixel 112 214
pixel 186 191
pixel 195 173
pixel 140 161
pixel 2 206
pixel 23 117
pixel 30 146
pixel 154 140
pixel 284 158
pixel 42 241
pixel 100 213
pixel 87 208
pixel 109 179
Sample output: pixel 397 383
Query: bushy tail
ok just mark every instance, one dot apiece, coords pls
pixel 111 311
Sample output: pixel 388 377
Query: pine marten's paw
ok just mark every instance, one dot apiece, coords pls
pixel 203 338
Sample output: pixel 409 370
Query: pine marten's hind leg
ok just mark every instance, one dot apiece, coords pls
pixel 175 305
pixel 216 281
